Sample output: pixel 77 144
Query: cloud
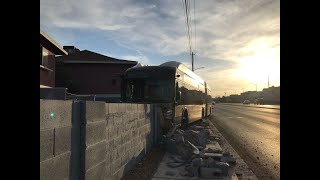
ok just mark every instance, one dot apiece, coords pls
pixel 140 59
pixel 226 30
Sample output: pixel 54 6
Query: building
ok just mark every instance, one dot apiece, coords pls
pixel 271 95
pixel 235 98
pixel 250 95
pixel 89 73
pixel 48 50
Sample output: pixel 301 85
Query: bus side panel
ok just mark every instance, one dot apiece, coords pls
pixel 194 112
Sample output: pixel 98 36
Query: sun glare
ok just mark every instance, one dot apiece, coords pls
pixel 258 67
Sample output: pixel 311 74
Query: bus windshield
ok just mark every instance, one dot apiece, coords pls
pixel 149 90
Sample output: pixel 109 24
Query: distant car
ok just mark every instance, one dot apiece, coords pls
pixel 213 103
pixel 246 102
pixel 259 101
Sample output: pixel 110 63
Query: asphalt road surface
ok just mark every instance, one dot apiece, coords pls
pixel 254 133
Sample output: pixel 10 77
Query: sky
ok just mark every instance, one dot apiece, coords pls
pixel 236 42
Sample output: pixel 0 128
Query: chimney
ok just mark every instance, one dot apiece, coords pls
pixel 71 49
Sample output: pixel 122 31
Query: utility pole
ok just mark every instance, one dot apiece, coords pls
pixel 268 81
pixel 192 60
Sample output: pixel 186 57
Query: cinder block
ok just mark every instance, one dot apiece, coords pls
pixel 55 113
pixel 127 157
pixel 113 107
pixel 127 125
pixel 140 130
pixel 112 132
pixel 108 171
pixel 107 134
pixel 122 107
pixel 121 151
pixel 125 118
pixel 117 118
pixel 123 160
pixel 46 144
pixel 140 108
pixel 132 153
pixel 111 145
pixel 142 137
pixel 128 107
pixel 127 146
pixel 110 120
pixel 107 146
pixel 135 133
pixel 120 131
pixel 120 172
pixel 131 116
pixel 97 173
pixel 134 107
pixel 114 156
pixel 136 141
pixel 106 108
pixel 117 142
pixel 62 140
pixel 143 116
pixel 95 132
pixel 118 163
pixel 95 154
pixel 95 111
pixel 113 168
pixel 55 168
pixel 126 137
pixel 108 161
pixel 135 116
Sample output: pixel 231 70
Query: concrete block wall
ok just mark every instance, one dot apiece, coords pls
pixel 116 136
pixel 55 139
pixel 86 140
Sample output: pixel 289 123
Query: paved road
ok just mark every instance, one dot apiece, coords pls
pixel 253 105
pixel 254 133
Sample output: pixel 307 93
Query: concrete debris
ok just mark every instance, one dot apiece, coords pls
pixel 199 152
pixel 170 173
pixel 213 147
pixel 228 159
pixel 213 155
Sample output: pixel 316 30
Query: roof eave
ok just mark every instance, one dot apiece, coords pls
pixel 51 45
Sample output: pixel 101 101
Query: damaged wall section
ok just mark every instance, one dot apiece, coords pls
pixel 115 136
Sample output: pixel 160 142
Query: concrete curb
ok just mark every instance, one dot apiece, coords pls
pixel 242 170
pixel 249 106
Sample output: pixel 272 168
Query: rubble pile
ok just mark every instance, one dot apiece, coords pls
pixel 198 150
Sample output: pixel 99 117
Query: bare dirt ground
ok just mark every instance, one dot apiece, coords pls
pixel 145 169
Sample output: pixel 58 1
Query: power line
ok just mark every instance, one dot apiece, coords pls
pixel 185 17
pixel 188 26
pixel 195 29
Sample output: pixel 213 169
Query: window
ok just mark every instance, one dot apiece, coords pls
pixel 114 82
pixel 44 56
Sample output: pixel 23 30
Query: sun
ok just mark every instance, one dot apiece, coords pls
pixel 258 67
